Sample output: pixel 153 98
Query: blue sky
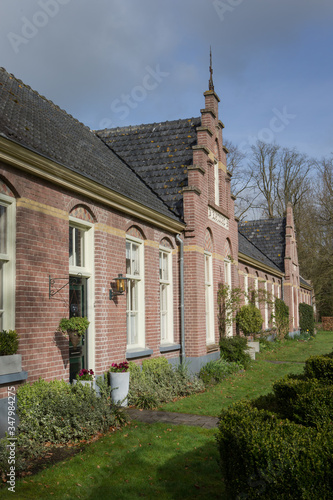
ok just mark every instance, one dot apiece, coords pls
pixel 126 62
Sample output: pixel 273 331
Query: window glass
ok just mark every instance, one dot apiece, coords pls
pixel 3 229
pixel 76 247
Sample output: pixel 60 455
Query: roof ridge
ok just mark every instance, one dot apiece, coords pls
pixel 29 88
pixel 144 125
pixel 262 220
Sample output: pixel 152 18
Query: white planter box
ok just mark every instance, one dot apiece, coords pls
pixel 10 364
pixel 254 345
pixel 119 382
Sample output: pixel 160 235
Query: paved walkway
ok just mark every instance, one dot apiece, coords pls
pixel 168 417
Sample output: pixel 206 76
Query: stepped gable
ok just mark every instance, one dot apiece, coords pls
pixel 160 154
pixel 269 236
pixel 246 247
pixel 36 123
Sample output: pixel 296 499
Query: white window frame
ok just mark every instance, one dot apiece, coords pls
pixel 256 291
pixel 227 281
pixel 273 303
pixel 209 298
pixel 166 316
pixel 137 281
pixel 216 183
pixel 87 271
pixel 8 261
pixel 266 304
pixel 246 288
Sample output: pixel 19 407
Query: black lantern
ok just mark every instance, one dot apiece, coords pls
pixel 120 286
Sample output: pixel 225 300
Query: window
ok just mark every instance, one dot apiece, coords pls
pixel 166 301
pixel 256 290
pixel 81 288
pixel 209 298
pixel 266 303
pixel 273 303
pixel 7 262
pixel 216 183
pixel 80 247
pixel 135 293
pixel 246 287
pixel 227 281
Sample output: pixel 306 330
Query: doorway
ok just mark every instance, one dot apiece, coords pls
pixel 78 307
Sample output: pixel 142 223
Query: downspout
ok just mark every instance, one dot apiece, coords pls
pixel 181 284
pixel 282 288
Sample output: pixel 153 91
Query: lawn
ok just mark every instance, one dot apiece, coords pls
pixel 141 461
pixel 160 460
pixel 257 380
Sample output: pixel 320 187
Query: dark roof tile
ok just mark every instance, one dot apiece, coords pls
pixel 160 153
pixel 38 124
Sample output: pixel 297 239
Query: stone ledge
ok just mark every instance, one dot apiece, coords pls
pixel 139 353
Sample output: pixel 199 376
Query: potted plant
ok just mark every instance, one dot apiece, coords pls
pixel 119 381
pixel 85 377
pixel 10 362
pixel 75 327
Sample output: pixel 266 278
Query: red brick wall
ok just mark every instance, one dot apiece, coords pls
pixel 42 250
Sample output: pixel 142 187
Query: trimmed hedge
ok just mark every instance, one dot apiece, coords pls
pixel 320 367
pixel 262 455
pixel 306 318
pixel 235 349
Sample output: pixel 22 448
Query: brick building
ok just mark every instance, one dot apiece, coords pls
pixel 152 203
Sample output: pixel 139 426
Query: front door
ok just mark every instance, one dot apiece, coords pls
pixel 77 307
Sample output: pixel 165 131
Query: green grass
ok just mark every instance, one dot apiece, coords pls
pixel 257 380
pixel 161 460
pixel 141 461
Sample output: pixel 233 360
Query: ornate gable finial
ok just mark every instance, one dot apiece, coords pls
pixel 211 84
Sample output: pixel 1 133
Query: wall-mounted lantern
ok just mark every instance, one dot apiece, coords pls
pixel 119 288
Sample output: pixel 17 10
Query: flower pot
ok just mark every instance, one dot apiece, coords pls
pixel 119 382
pixel 74 338
pixel 85 382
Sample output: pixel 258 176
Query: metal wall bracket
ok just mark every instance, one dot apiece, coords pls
pixel 52 283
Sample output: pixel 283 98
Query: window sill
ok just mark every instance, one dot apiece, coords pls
pixel 212 348
pixel 169 347
pixel 138 353
pixel 13 377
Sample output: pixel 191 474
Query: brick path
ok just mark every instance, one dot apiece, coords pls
pixel 152 416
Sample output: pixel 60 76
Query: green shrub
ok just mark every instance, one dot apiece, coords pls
pixel 8 342
pixel 281 318
pixel 314 408
pixel 215 371
pixel 320 367
pixel 58 412
pixel 306 318
pixel 159 383
pixel 249 319
pixel 234 349
pixel 262 456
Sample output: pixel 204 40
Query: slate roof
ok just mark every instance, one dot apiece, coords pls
pixel 160 153
pixel 246 247
pixel 268 236
pixel 38 124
